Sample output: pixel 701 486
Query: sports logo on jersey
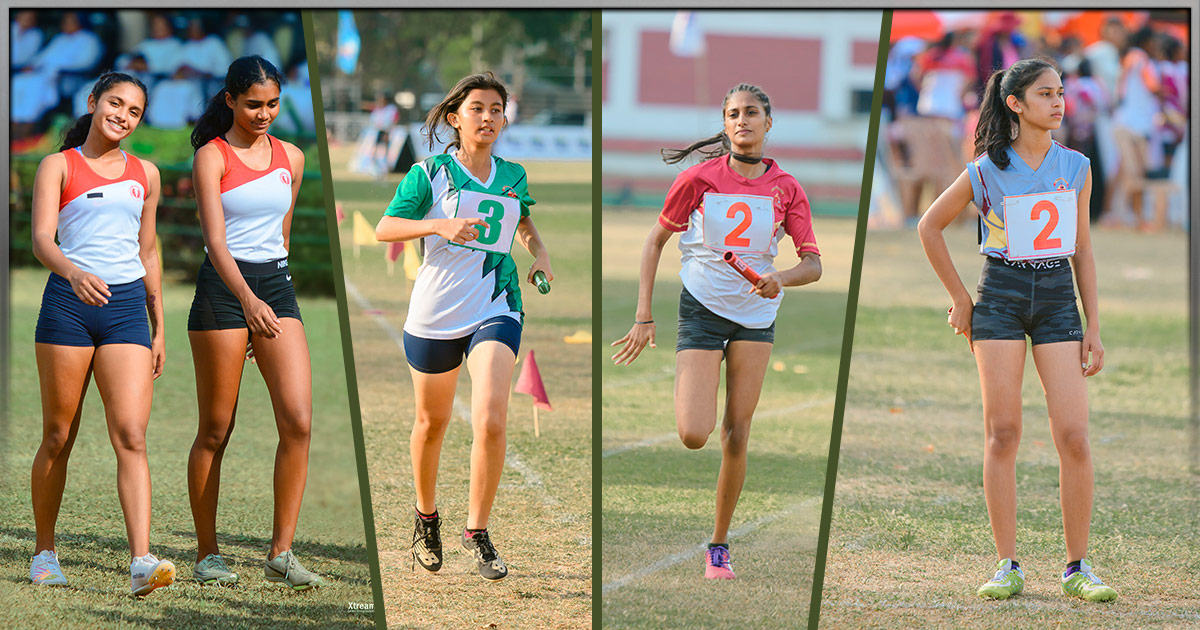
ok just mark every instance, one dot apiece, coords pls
pixel 285 178
pixel 508 190
pixel 1060 183
pixel 135 191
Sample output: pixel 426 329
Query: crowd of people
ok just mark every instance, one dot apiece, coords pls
pixel 180 56
pixel 1126 84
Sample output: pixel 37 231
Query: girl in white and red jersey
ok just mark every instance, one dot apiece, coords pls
pixel 246 185
pixel 735 200
pixel 101 202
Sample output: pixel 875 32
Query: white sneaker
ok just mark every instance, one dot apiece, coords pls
pixel 148 573
pixel 44 570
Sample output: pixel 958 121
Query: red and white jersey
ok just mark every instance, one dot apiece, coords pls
pixel 99 219
pixel 705 274
pixel 255 204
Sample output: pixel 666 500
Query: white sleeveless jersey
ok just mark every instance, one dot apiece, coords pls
pixel 99 219
pixel 255 204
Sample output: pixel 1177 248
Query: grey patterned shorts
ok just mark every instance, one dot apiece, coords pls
pixel 1035 298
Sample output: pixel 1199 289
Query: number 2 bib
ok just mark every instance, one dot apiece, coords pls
pixel 500 215
pixel 738 223
pixel 1041 225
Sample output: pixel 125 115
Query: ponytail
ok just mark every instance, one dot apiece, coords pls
pixel 998 123
pixel 77 133
pixel 718 145
pixel 243 73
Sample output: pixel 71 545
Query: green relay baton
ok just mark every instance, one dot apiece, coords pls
pixel 543 285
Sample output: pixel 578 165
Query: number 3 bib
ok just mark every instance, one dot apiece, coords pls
pixel 1041 225
pixel 500 215
pixel 738 223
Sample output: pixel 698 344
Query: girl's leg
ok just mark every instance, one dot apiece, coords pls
pixel 286 368
pixel 63 373
pixel 218 356
pixel 434 408
pixel 124 376
pixel 745 370
pixel 491 366
pixel 1001 367
pixel 1066 400
pixel 697 376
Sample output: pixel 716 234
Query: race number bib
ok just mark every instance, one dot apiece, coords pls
pixel 738 223
pixel 1041 225
pixel 500 215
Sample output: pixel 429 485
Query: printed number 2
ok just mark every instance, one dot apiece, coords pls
pixel 1043 240
pixel 494 212
pixel 734 239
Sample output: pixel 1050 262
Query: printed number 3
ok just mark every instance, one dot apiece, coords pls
pixel 1043 240
pixel 734 239
pixel 494 212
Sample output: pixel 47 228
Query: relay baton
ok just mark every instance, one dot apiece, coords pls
pixel 741 267
pixel 543 285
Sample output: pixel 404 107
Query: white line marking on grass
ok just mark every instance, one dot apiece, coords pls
pixel 667 437
pixel 1029 606
pixel 530 476
pixel 691 552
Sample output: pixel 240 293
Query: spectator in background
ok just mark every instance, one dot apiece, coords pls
pixel 944 74
pixel 295 104
pixel 999 46
pixel 900 91
pixel 1087 103
pixel 161 53
pixel 175 102
pixel 1105 55
pixel 26 39
pixel 242 41
pixel 1138 89
pixel 205 56
pixel 384 115
pixel 73 49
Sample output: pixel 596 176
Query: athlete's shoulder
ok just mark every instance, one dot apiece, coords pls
pixel 148 167
pixel 1071 156
pixel 55 161
pixel 295 154
pixel 507 171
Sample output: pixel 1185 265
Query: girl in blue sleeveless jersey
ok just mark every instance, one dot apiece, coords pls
pixel 246 187
pixel 101 203
pixel 1032 194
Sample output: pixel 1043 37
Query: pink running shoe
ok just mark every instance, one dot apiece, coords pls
pixel 716 561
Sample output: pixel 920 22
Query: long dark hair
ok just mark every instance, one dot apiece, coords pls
pixel 454 99
pixel 994 132
pixel 77 133
pixel 705 147
pixel 244 73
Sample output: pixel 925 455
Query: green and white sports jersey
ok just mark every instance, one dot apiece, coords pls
pixel 459 287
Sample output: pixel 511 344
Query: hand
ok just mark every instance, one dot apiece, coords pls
pixel 458 230
pixel 158 353
pixel 262 320
pixel 768 285
pixel 541 263
pixel 91 290
pixel 634 342
pixel 1091 343
pixel 250 353
pixel 959 318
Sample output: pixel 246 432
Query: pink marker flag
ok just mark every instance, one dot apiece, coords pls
pixel 393 251
pixel 530 382
pixel 341 214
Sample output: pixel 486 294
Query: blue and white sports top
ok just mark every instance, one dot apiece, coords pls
pixel 255 204
pixel 99 219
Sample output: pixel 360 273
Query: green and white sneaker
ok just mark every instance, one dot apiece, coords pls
pixel 1007 582
pixel 1086 586
pixel 213 570
pixel 44 570
pixel 286 568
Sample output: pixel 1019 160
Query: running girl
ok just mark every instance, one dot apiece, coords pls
pixel 101 202
pixel 1033 195
pixel 741 202
pixel 467 204
pixel 246 187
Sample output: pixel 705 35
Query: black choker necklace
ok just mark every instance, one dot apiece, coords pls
pixel 748 159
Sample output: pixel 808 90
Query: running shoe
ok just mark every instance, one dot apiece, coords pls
pixel 1085 585
pixel 213 570
pixel 716 564
pixel 1007 582
pixel 427 542
pixel 487 561
pixel 148 573
pixel 286 568
pixel 44 570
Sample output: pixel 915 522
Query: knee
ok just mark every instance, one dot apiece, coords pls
pixel 1003 438
pixel 735 436
pixel 430 425
pixel 296 424
pixel 129 440
pixel 693 439
pixel 56 443
pixel 1073 445
pixel 491 426
pixel 213 438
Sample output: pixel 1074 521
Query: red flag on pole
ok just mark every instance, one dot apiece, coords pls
pixel 530 382
pixel 393 251
pixel 341 214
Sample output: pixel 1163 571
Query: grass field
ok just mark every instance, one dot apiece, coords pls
pixel 541 521
pixel 910 539
pixel 91 533
pixel 658 496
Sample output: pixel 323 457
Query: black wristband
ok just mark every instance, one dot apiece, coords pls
pixel 648 321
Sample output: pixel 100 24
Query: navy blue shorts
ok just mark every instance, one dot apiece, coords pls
pixel 65 320
pixel 436 356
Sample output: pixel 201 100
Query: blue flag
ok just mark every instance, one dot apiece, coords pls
pixel 348 43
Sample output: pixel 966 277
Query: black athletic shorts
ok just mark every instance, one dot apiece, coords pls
pixel 216 308
pixel 702 329
pixel 1034 298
